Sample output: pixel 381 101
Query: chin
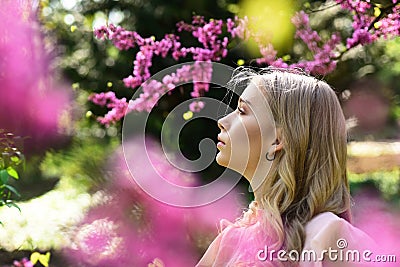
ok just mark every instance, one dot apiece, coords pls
pixel 220 159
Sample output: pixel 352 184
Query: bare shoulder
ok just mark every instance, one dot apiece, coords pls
pixel 325 220
pixel 333 238
pixel 327 227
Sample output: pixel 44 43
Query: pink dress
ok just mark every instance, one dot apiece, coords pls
pixel 249 242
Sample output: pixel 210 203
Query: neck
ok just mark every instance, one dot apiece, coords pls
pixel 257 198
pixel 256 179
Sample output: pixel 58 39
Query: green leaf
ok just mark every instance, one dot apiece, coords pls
pixel 12 189
pixel 12 172
pixel 4 176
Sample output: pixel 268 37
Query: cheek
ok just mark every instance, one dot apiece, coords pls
pixel 246 144
pixel 240 139
pixel 236 153
pixel 261 133
pixel 255 143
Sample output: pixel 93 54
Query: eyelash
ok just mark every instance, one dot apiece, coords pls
pixel 240 110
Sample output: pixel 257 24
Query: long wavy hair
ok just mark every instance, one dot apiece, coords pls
pixel 308 176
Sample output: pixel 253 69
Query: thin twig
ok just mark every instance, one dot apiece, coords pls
pixel 322 9
pixel 381 15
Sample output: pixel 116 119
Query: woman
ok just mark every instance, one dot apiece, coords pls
pixel 288 138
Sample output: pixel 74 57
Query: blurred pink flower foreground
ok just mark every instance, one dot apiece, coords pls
pixel 31 101
pixel 129 228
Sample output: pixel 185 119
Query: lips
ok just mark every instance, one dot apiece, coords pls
pixel 221 140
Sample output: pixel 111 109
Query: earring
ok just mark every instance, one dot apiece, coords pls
pixel 269 159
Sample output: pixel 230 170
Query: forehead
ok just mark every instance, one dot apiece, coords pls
pixel 259 106
pixel 253 93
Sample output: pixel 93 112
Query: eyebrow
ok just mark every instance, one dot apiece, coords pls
pixel 245 101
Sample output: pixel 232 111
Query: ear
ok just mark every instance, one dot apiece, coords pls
pixel 279 146
pixel 279 139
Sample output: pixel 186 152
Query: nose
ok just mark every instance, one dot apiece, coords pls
pixel 222 123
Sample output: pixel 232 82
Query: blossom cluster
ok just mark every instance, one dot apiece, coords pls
pixel 22 263
pixel 213 48
pixel 209 35
pixel 370 22
pixel 117 106
pixel 369 27
pixel 324 53
pixel 152 90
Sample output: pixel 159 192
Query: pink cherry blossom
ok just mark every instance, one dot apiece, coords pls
pixel 196 106
pixel 214 37
pixel 23 263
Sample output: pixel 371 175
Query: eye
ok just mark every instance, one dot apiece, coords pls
pixel 241 111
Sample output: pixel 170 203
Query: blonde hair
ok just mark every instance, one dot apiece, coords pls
pixel 308 176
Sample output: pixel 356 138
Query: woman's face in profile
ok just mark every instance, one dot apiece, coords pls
pixel 246 133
